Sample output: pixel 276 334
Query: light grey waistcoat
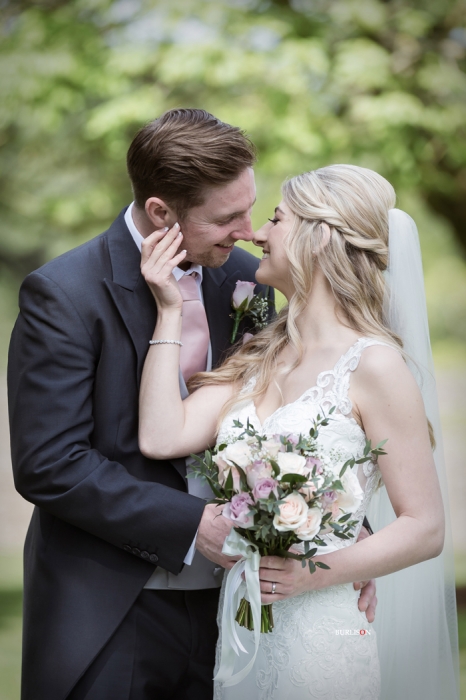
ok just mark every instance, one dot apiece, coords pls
pixel 202 573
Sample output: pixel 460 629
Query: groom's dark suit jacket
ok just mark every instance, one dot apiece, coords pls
pixel 105 515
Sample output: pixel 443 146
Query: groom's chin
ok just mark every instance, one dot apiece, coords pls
pixel 213 259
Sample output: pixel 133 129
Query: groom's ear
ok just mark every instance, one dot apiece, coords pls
pixel 159 213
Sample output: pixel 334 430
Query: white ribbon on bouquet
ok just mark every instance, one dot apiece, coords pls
pixel 237 588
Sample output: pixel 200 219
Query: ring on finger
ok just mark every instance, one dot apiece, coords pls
pixel 274 587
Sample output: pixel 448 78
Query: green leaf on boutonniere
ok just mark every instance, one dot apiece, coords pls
pixel 246 304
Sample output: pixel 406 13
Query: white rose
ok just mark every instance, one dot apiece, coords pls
pixel 291 463
pixel 271 447
pixel 311 526
pixel 238 452
pixel 349 500
pixel 293 513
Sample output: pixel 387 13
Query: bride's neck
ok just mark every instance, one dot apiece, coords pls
pixel 322 322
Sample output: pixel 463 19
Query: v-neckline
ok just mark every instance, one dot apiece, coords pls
pixel 307 391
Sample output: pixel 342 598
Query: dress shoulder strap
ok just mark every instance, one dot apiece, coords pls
pixel 350 360
pixel 342 371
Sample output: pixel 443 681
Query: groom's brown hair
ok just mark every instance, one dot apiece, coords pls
pixel 183 153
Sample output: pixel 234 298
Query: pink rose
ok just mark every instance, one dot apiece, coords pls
pixel 257 470
pixel 312 462
pixel 243 290
pixel 328 497
pixel 223 471
pixel 264 487
pixel 238 510
pixel 246 337
pixel 329 503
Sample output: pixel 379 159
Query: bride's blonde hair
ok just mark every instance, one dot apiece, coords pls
pixel 353 202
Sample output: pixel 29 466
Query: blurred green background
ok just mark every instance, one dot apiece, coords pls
pixel 377 83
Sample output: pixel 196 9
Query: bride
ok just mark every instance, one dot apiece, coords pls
pixel 338 342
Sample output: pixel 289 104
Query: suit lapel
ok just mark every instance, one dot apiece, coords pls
pixel 139 314
pixel 129 290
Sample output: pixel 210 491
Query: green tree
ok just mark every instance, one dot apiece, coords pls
pixel 373 82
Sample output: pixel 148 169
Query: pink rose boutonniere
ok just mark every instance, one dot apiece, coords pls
pixel 247 304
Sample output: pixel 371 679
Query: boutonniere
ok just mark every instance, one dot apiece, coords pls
pixel 246 304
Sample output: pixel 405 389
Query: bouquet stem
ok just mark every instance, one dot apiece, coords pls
pixel 244 616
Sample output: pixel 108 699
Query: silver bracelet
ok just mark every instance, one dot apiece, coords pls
pixel 163 342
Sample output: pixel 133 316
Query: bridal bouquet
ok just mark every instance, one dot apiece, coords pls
pixel 280 492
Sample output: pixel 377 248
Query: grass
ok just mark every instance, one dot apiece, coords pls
pixel 460 570
pixel 462 641
pixel 10 626
pixel 10 630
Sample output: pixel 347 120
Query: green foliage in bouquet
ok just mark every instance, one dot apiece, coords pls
pixel 284 491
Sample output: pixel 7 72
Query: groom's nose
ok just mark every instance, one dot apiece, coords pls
pixel 245 231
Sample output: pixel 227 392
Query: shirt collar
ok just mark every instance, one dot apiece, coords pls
pixel 138 239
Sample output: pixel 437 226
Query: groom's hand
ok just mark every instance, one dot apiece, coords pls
pixel 368 599
pixel 213 529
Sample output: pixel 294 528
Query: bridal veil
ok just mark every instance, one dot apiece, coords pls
pixel 416 620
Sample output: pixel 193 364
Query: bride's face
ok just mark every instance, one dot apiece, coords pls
pixel 274 267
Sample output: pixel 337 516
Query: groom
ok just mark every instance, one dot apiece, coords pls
pixel 123 558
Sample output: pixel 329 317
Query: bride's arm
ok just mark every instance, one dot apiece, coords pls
pixel 168 426
pixel 390 406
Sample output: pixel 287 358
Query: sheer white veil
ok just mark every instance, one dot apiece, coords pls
pixel 416 620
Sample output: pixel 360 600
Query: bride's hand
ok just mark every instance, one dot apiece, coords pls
pixel 292 579
pixel 158 260
pixel 288 575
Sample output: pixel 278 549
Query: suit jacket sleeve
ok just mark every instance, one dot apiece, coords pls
pixel 52 363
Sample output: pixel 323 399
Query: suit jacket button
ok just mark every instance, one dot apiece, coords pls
pixel 153 558
pixel 144 554
pixel 127 548
pixel 136 551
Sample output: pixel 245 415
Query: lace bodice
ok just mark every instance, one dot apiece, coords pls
pixel 343 434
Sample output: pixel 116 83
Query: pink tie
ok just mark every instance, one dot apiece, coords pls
pixel 194 329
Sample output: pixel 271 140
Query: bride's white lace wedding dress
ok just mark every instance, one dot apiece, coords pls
pixel 322 646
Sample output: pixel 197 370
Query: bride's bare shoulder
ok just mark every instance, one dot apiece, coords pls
pixel 383 367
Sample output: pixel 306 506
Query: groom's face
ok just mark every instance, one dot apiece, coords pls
pixel 211 230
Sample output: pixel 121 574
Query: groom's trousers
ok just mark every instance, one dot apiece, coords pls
pixel 164 648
